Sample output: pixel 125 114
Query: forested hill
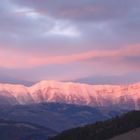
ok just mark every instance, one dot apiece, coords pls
pixel 103 130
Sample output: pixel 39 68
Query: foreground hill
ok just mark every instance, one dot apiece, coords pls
pixel 10 130
pixel 103 130
pixel 123 96
pixel 132 135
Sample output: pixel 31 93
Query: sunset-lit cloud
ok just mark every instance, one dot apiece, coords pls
pixel 12 58
pixel 69 40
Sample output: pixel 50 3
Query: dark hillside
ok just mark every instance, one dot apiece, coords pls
pixel 103 130
pixel 10 130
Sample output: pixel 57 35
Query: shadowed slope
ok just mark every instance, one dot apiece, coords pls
pixel 103 130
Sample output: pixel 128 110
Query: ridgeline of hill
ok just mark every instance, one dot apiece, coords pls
pixel 103 130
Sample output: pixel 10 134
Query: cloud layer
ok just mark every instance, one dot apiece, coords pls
pixel 69 40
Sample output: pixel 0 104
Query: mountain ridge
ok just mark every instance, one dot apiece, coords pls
pixel 127 96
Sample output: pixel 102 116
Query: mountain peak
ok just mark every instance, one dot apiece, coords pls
pixel 47 81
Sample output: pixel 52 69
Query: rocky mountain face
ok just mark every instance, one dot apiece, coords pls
pixel 123 96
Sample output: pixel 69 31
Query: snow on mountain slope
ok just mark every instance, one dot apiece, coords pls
pixel 126 96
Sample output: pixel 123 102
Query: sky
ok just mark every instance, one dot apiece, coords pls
pixel 88 41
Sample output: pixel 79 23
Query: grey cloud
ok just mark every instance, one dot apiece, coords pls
pixel 83 9
pixel 110 22
pixel 102 24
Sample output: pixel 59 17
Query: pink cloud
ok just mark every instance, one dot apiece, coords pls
pixel 12 58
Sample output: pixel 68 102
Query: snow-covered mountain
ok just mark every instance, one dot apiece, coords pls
pixel 126 96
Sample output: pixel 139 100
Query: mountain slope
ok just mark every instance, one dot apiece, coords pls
pixel 10 130
pixel 53 115
pixel 126 96
pixel 103 130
